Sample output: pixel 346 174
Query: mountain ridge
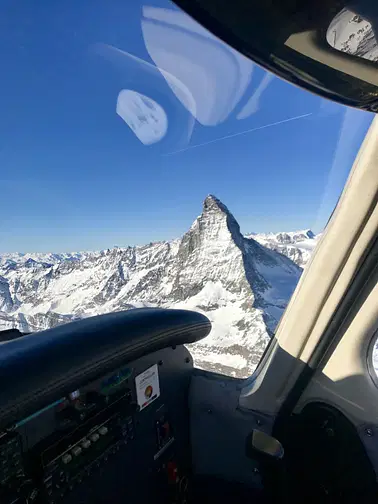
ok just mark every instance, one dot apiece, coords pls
pixel 296 245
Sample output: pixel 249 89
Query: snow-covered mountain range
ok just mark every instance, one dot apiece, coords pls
pixel 242 283
pixel 297 245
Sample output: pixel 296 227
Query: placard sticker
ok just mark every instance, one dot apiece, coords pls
pixel 147 386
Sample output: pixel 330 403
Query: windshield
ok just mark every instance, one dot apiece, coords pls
pixel 146 163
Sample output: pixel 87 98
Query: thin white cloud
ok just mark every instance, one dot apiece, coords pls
pixel 295 118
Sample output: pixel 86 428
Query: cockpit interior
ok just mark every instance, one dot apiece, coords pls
pixel 110 409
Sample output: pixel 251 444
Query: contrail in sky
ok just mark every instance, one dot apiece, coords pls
pixel 240 133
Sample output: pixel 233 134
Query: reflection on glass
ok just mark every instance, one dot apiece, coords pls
pixel 352 34
pixel 215 74
pixel 144 116
pixel 375 357
pixel 139 74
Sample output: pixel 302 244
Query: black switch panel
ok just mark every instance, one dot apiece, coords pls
pixel 163 430
pixel 11 462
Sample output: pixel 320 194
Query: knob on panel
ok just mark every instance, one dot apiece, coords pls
pixel 94 437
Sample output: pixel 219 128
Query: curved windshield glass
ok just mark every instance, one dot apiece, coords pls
pixel 146 163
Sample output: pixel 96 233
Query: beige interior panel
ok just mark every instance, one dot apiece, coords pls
pixel 345 381
pixel 323 283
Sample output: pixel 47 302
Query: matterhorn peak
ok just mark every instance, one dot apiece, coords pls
pixel 212 203
pixel 216 217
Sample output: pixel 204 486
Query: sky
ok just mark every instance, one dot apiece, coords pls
pixel 119 118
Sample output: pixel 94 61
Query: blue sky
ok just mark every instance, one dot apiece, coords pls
pixel 73 174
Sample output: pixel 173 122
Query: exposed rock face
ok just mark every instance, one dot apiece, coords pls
pixel 6 302
pixel 242 286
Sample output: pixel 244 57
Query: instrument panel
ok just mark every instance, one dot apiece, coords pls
pixel 124 435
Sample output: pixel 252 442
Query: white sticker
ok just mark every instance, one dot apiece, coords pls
pixel 147 386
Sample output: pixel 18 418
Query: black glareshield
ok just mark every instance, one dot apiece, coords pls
pixel 327 47
pixel 75 353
